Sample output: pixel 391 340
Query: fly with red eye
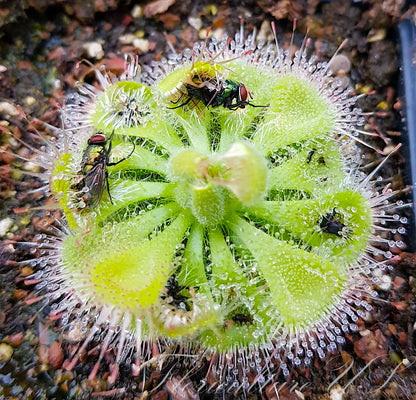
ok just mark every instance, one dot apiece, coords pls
pixel 229 94
pixel 94 163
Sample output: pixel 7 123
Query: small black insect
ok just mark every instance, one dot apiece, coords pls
pixel 331 223
pixel 94 163
pixel 310 154
pixel 229 94
pixel 241 319
pixel 172 291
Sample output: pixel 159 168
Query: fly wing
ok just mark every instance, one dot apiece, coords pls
pixel 94 180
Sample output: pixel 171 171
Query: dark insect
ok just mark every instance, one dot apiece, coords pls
pixel 242 319
pixel 228 94
pixel 331 223
pixel 94 163
pixel 321 160
pixel 172 293
pixel 310 154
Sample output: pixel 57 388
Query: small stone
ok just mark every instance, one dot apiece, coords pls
pixel 371 346
pixel 29 100
pixel 342 81
pixel 19 294
pixel 6 352
pixel 94 50
pixel 264 31
pixel 202 34
pixel 392 329
pixel 137 11
pixel 43 354
pixel 376 35
pixel 385 284
pixel 16 339
pixel 218 33
pixel 8 109
pixel 336 393
pixel 128 38
pixel 399 282
pixel 195 22
pixel 141 44
pixel 55 355
pixel 30 166
pixel 169 20
pixel 402 338
pixel 395 357
pixel 75 334
pixel 384 281
pixel 26 271
pixel 388 149
pixel 157 7
pixel 340 62
pixel 5 225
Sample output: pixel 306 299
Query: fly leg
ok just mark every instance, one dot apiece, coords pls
pixel 107 184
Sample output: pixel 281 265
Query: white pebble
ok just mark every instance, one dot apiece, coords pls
pixel 94 50
pixel 141 44
pixel 264 31
pixel 5 225
pixel 31 167
pixel 340 62
pixel 29 100
pixel 218 33
pixel 137 12
pixel 195 22
pixel 337 393
pixel 8 109
pixel 384 281
pixel 128 38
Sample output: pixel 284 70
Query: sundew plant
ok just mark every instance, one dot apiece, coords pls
pixel 213 203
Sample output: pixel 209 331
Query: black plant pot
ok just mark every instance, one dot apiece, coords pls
pixel 407 32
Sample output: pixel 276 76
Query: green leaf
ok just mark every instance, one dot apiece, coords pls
pixel 303 286
pixel 131 271
pixel 302 218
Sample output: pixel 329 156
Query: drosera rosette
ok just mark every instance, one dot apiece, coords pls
pixel 233 230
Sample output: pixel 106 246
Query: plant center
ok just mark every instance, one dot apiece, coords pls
pixel 212 186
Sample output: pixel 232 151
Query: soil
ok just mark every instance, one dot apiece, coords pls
pixel 41 44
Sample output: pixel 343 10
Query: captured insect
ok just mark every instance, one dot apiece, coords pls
pixel 172 293
pixel 331 223
pixel 310 154
pixel 94 163
pixel 229 94
pixel 241 319
pixel 321 159
pixel 205 81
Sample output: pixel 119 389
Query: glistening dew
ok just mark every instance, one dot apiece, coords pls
pixel 236 222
